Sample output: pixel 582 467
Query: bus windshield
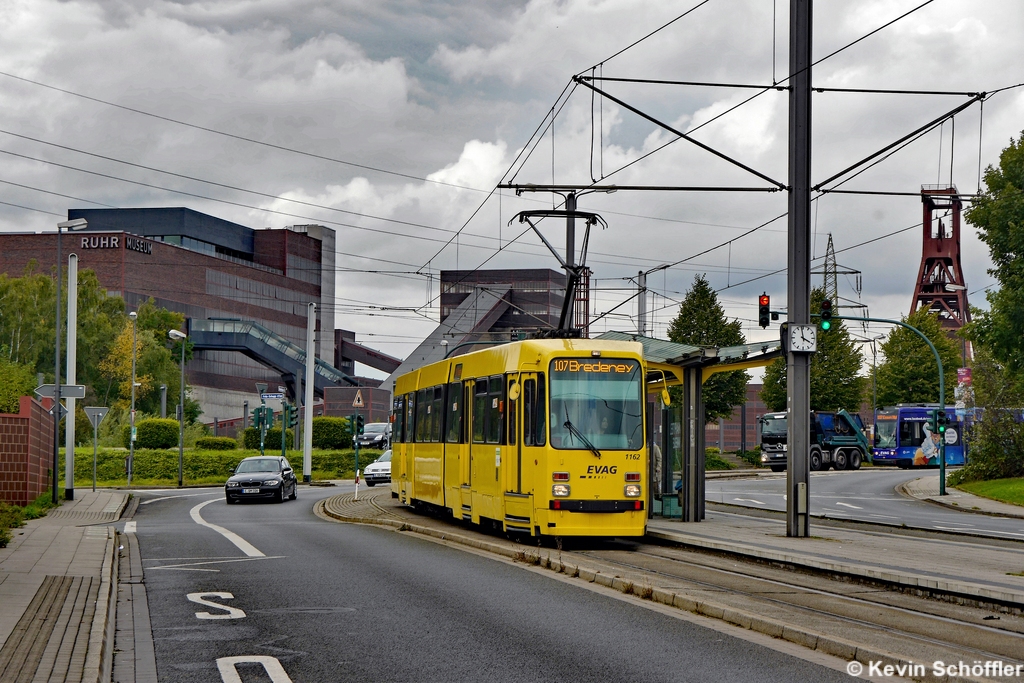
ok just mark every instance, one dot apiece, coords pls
pixel 600 399
pixel 773 425
pixel 885 431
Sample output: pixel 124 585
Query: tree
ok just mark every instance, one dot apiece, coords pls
pixel 16 380
pixel 998 213
pixel 909 374
pixel 835 382
pixel 701 321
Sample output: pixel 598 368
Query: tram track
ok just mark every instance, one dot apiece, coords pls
pixel 912 627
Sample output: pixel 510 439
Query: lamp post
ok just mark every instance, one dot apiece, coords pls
pixel 181 337
pixel 77 224
pixel 131 434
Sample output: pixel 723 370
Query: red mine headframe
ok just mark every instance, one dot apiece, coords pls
pixel 940 286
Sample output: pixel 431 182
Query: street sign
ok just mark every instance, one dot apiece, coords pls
pixel 66 391
pixel 357 402
pixel 271 395
pixel 60 407
pixel 96 415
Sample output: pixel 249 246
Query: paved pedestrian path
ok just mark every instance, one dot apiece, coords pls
pixel 57 588
pixel 927 488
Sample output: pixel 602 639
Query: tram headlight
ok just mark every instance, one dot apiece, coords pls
pixel 560 490
pixel 632 491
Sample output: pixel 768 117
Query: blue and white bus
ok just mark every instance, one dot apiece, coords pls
pixel 903 437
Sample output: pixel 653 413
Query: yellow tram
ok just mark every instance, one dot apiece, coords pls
pixel 544 437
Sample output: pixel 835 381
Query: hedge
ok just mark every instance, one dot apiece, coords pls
pixel 152 433
pixel 216 443
pixel 331 433
pixel 271 442
pixel 163 464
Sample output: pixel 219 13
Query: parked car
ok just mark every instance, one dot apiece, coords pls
pixel 375 435
pixel 260 478
pixel 379 471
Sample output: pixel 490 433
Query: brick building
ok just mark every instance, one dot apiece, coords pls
pixel 26 453
pixel 729 433
pixel 203 267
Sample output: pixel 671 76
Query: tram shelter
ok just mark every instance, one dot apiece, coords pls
pixel 675 431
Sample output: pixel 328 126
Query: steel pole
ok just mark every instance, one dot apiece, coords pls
pixel 56 381
pixel 131 415
pixel 307 418
pixel 798 382
pixel 181 419
pixel 72 378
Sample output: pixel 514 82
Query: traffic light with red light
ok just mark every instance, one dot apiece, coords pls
pixel 764 310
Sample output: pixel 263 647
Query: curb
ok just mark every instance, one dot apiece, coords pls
pixel 1013 514
pixel 99 660
pixel 836 647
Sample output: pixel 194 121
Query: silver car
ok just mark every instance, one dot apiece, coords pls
pixel 379 471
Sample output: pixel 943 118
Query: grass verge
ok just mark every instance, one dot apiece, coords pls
pixel 14 516
pixel 1003 490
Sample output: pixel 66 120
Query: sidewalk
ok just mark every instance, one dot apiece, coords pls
pixel 927 488
pixel 58 580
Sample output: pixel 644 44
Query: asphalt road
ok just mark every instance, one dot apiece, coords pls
pixel 867 495
pixel 322 601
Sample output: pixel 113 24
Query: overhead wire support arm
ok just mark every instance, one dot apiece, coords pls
pixel 684 136
pixel 700 84
pixel 530 187
pixel 925 127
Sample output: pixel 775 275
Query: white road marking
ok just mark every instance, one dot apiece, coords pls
pixel 186 495
pixel 242 544
pixel 847 505
pixel 129 527
pixel 228 673
pixel 883 516
pixel 232 612
pixel 749 500
pixel 186 567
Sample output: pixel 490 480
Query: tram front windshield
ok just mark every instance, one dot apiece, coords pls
pixel 598 401
pixel 885 431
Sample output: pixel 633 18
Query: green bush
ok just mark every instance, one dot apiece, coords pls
pixel 713 461
pixel 162 465
pixel 331 433
pixel 10 518
pixel 271 442
pixel 153 432
pixel 216 443
pixel 753 456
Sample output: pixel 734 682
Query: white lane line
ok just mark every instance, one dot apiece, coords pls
pixel 129 527
pixel 749 500
pixel 186 566
pixel 847 505
pixel 242 544
pixel 187 495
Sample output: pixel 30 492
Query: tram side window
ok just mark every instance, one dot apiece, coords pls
pixel 422 416
pixel 533 413
pixel 453 418
pixel 495 404
pixel 410 418
pixel 479 404
pixel 436 413
pixel 541 411
pixel 911 433
pixel 511 416
pixel 398 427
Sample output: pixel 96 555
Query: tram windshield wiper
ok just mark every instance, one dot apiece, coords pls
pixel 579 435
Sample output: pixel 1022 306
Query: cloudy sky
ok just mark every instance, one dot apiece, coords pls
pixel 393 122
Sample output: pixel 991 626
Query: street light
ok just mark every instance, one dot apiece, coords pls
pixel 181 337
pixel 77 224
pixel 131 434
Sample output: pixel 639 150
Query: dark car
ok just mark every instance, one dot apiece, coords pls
pixel 261 477
pixel 375 435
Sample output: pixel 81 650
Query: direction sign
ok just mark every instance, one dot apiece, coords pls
pixel 96 415
pixel 66 390
pixel 271 396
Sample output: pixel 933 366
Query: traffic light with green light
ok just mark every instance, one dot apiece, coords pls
pixel 826 314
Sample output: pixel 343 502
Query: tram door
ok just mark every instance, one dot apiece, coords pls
pixel 465 451
pixel 512 465
pixel 530 446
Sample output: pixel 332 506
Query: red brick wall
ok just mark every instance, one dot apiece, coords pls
pixel 26 453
